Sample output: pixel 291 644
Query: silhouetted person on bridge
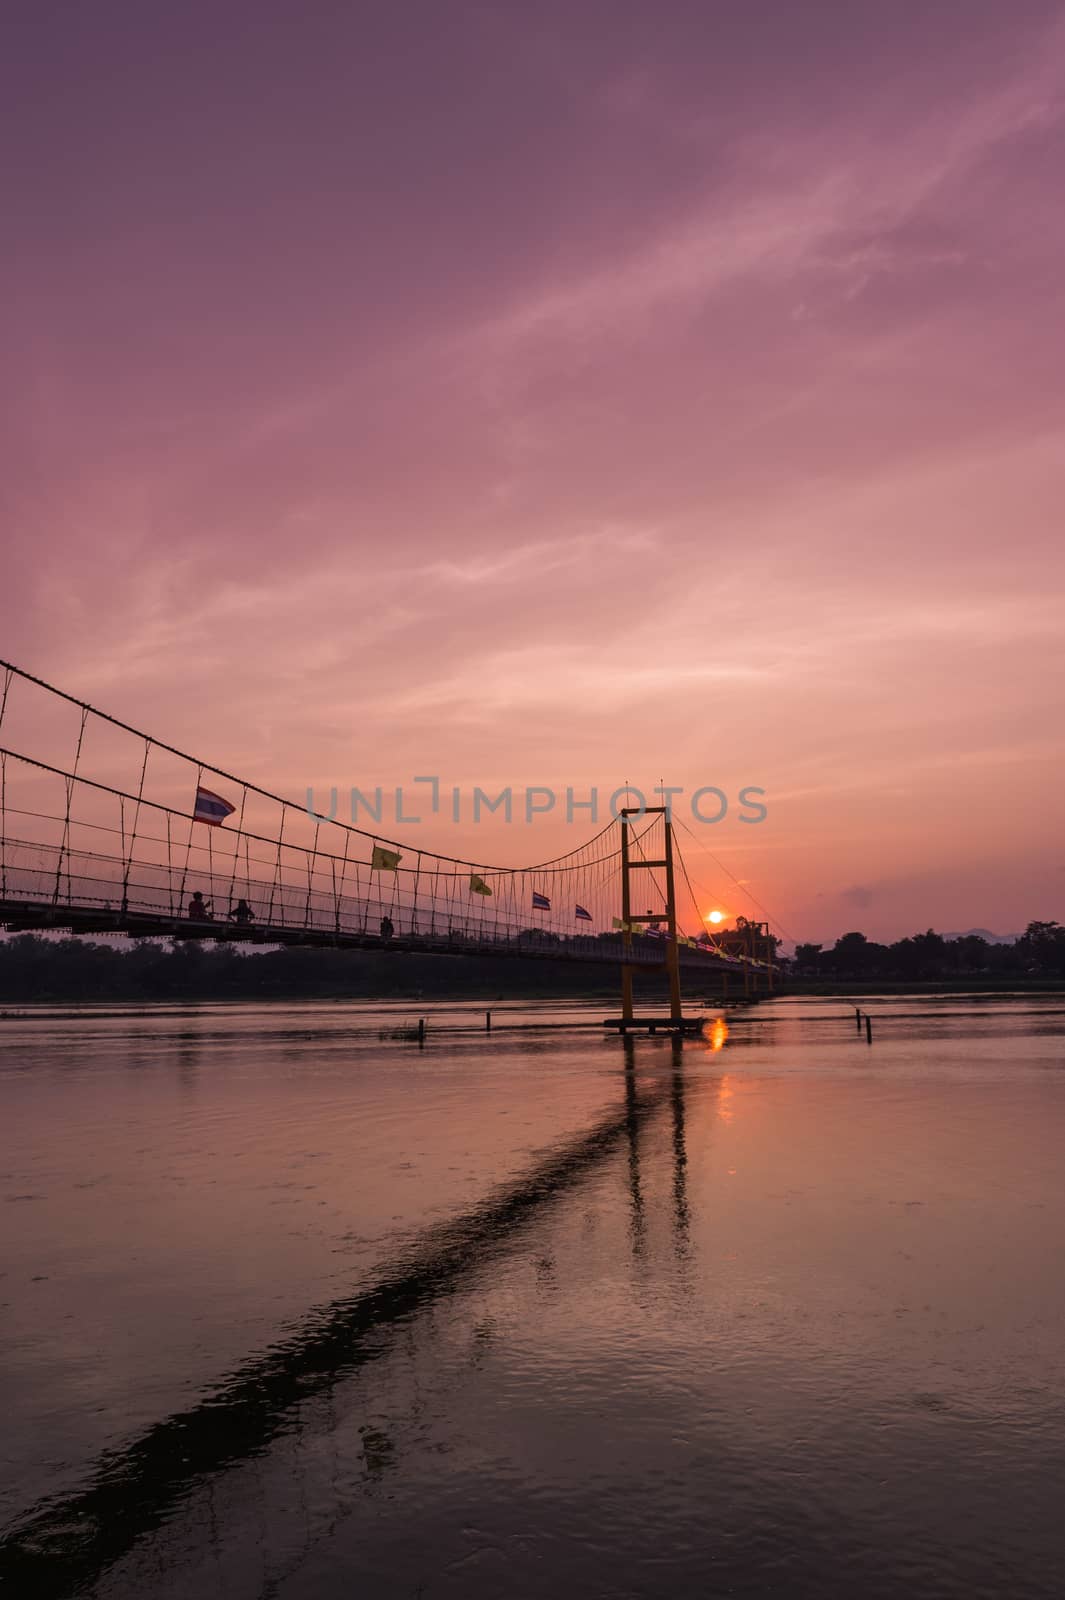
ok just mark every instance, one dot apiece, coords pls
pixel 199 908
pixel 387 930
pixel 242 912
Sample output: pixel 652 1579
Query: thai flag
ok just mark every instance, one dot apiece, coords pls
pixel 540 902
pixel 582 915
pixel 211 808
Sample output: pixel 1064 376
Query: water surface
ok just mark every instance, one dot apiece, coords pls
pixel 293 1309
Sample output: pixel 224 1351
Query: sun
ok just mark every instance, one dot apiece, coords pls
pixel 715 916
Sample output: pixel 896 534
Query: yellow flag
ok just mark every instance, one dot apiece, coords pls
pixel 478 885
pixel 384 860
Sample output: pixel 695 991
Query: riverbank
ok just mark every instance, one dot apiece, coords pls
pixel 989 988
pixel 70 971
pixel 57 972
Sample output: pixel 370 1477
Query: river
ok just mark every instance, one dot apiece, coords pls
pixel 291 1307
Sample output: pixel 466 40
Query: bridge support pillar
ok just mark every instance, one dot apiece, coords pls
pixel 668 914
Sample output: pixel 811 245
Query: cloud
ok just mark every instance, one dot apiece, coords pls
pixel 789 204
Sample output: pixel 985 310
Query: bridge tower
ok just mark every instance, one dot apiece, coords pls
pixel 668 914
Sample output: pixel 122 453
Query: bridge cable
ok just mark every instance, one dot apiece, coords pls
pixel 8 676
pixel 136 818
pixel 236 848
pixel 743 889
pixel 188 852
pixel 70 782
pixel 266 794
pixel 277 872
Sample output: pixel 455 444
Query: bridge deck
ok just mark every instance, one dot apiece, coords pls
pixel 103 830
pixel 22 916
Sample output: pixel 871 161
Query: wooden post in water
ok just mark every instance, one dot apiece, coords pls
pixel 868 1028
pixel 421 1032
pixel 488 1022
pixel 857 1019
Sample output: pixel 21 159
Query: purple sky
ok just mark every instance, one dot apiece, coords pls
pixel 559 394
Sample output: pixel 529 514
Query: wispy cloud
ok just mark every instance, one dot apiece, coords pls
pixel 790 205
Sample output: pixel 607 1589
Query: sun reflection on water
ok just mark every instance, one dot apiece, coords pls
pixel 715 1033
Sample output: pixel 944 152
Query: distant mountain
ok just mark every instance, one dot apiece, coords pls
pixel 985 933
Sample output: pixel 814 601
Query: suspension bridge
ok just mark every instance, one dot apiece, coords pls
pixel 105 829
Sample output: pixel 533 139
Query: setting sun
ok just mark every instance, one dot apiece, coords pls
pixel 715 916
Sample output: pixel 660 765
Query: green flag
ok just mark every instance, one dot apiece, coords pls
pixel 384 860
pixel 478 885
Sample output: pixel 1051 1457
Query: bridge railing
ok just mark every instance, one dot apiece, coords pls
pixel 153 896
pixel 97 818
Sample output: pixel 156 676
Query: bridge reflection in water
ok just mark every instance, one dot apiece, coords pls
pixel 160 1499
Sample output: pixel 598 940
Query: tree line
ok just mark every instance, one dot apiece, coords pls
pixel 60 970
pixel 929 957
